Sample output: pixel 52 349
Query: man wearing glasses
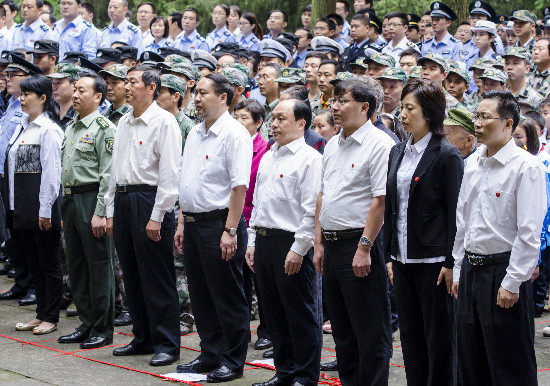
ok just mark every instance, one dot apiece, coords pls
pixel 398 24
pixel 146 11
pixel 347 249
pixel 74 33
pixel 500 211
pixel 33 28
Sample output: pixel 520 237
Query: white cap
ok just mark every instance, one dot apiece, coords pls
pixel 324 44
pixel 273 49
pixel 485 25
pixel 509 26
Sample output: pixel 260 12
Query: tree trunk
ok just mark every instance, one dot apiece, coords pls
pixel 461 9
pixel 320 8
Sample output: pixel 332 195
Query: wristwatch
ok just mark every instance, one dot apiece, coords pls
pixel 231 231
pixel 365 241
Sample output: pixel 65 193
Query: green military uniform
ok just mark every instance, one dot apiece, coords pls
pixel 86 163
pixel 540 81
pixel 527 17
pixel 395 74
pixel 472 101
pixel 528 95
pixel 186 124
pixel 452 102
pixel 265 130
pixel 114 115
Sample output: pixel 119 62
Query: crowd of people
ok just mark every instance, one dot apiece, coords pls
pixel 359 176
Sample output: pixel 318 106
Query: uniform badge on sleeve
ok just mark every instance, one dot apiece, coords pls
pixel 109 142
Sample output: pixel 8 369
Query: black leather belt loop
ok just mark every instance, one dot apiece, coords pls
pixel 477 259
pixel 68 190
pixel 195 217
pixel 135 188
pixel 342 235
pixel 266 232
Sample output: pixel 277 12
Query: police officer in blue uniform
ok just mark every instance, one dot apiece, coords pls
pixel 480 10
pixel 443 43
pixel 74 33
pixel 219 36
pixel 120 29
pixel 32 29
pixel 190 39
pixel 250 42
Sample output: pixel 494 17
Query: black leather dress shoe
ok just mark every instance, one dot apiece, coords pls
pixel 11 273
pixel 8 266
pixel 124 319
pixel 268 353
pixel 163 359
pixel 330 366
pixel 10 295
pixel 223 374
pixel 28 300
pixel 263 344
pixel 196 366
pixel 75 337
pixel 297 384
pixel 275 381
pixel 96 342
pixel 131 349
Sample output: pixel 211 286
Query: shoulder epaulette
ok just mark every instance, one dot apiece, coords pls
pixel 102 122
pixel 429 40
pixel 455 40
pixel 254 39
pixel 169 43
pixel 132 27
pixel 201 38
pixel 88 24
pixel 19 25
pixel 226 33
pixel 44 27
pixel 105 28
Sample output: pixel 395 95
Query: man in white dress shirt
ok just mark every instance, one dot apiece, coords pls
pixel 280 237
pixel 398 23
pixel 500 210
pixel 348 251
pixel 211 231
pixel 143 190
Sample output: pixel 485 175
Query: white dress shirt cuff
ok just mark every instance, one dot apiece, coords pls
pixel 300 247
pixel 456 273
pixel 45 212
pixel 510 284
pixel 157 215
pixel 251 237
pixel 110 211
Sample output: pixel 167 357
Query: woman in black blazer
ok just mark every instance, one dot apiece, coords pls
pixel 424 177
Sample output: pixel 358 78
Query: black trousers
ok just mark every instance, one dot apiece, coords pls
pixel 41 249
pixel 426 324
pixel 216 292
pixel 149 272
pixel 540 284
pixel 359 314
pixel 289 309
pixel 495 345
pixel 23 280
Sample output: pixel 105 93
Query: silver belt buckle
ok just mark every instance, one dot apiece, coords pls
pixel 330 236
pixel 475 260
pixel 189 218
pixel 122 188
pixel 262 231
pixel 67 191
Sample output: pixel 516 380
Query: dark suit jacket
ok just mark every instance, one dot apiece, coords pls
pixel 431 215
pixel 350 56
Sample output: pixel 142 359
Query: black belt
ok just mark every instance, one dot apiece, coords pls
pixel 195 217
pixel 272 232
pixel 135 188
pixel 476 259
pixel 68 190
pixel 342 235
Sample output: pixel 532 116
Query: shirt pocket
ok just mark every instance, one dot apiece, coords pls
pixel 283 187
pixel 496 205
pixel 86 154
pixel 212 168
pixel 142 152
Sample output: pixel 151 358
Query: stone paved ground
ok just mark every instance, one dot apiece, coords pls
pixel 55 364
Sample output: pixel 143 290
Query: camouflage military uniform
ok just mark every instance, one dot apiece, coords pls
pixel 68 118
pixel 186 124
pixel 191 112
pixel 472 101
pixel 115 115
pixel 530 96
pixel 540 81
pixel 265 130
pixel 452 102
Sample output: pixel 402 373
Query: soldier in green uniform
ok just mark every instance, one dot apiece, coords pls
pixel 517 63
pixel 237 75
pixel 191 75
pixel 457 82
pixel 392 80
pixel 289 77
pixel 415 74
pixel 63 79
pixel 115 77
pixel 477 69
pixel 540 80
pixel 86 165
pixel 359 66
pixel 492 79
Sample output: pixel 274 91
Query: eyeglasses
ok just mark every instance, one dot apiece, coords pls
pixel 10 75
pixel 392 25
pixel 485 118
pixel 339 101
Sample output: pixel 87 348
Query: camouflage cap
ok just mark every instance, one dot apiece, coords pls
pixel 383 59
pixel 342 76
pixel 186 68
pixel 435 58
pixel 416 72
pixel 239 66
pixel 500 63
pixel 524 15
pixel 292 75
pixel 173 82
pixel 235 76
pixel 174 58
pixel 66 70
pixel 482 63
pixel 116 70
pixel 361 62
pixel 460 72
pixel 518 52
pixel 395 74
pixel 494 74
pixel 460 117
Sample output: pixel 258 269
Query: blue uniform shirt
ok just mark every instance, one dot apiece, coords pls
pixel 8 123
pixel 4 43
pixel 449 47
pixel 220 36
pixel 345 32
pixel 300 59
pixel 250 42
pixel 24 37
pixel 155 47
pixel 342 43
pixel 78 35
pixel 192 42
pixel 125 32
